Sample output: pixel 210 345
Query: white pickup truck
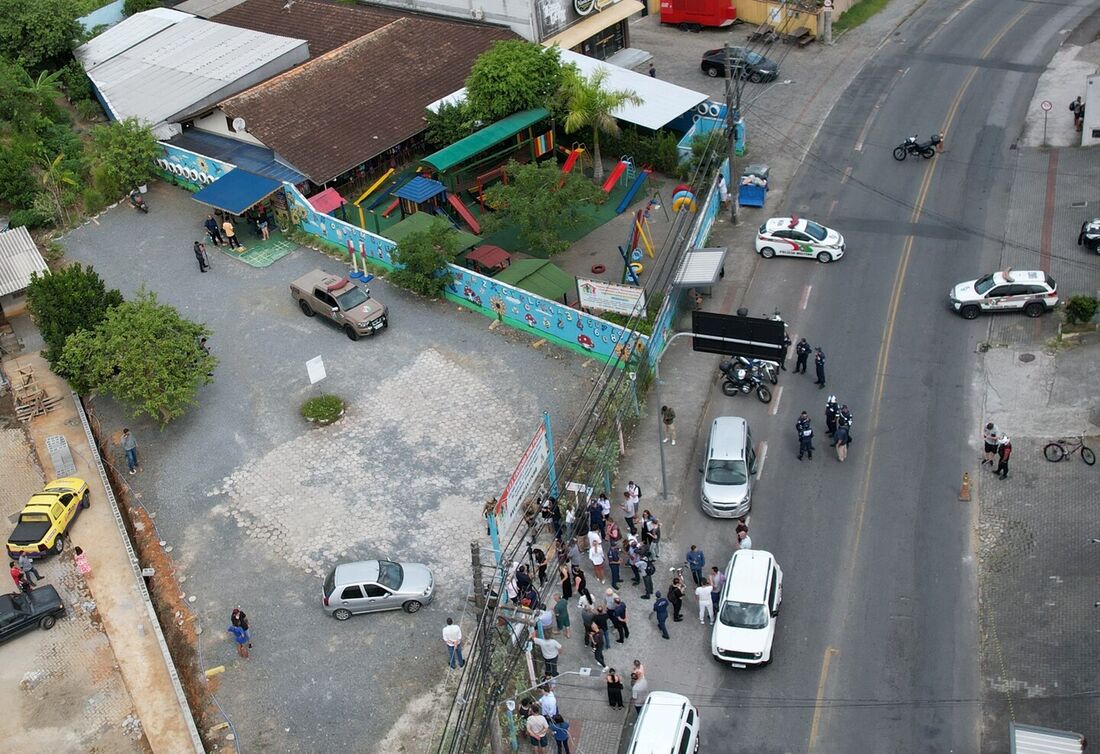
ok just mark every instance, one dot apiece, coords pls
pixel 340 301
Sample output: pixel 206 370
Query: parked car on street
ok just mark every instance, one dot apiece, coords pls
pixel 755 67
pixel 19 612
pixel 1030 291
pixel 799 237
pixel 374 585
pixel 744 627
pixel 1089 237
pixel 46 518
pixel 341 302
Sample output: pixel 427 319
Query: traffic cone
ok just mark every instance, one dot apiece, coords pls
pixel 964 493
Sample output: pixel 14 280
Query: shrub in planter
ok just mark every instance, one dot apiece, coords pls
pixel 1081 309
pixel 323 409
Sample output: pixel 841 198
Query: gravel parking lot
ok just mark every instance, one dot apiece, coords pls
pixel 257 506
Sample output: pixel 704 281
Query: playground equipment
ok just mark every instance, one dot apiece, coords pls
pixel 478 190
pixel 574 155
pixel 683 198
pixel 389 210
pixel 616 174
pixel 634 187
pixel 464 213
pixel 373 186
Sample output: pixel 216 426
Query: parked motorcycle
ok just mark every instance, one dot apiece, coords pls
pixel 766 369
pixel 911 146
pixel 137 201
pixel 738 379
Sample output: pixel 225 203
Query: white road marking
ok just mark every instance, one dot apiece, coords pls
pixel 775 400
pixel 762 454
pixel 847 175
pixel 805 297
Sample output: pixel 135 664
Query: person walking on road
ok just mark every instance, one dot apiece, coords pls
pixel 989 441
pixel 660 609
pixel 561 615
pixel 819 367
pixel 696 562
pixel 706 607
pixel 630 511
pixel 596 555
pixel 452 637
pixel 717 581
pixel 842 438
pixel 615 562
pixel 676 598
pixel 802 351
pixel 647 570
pixel 744 542
pixel 668 416
pixel 1004 452
pixel 200 254
pixel 81 560
pixel 805 436
pixel 129 444
pixel 619 621
pixel 26 565
pixel 240 636
pixel 560 728
pixel 614 688
pixel 595 640
pixel 639 689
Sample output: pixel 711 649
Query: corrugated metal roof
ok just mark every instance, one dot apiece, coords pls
pixel 1031 739
pixel 182 64
pixel 19 257
pixel 480 141
pixel 701 267
pixel 207 8
pixel 124 35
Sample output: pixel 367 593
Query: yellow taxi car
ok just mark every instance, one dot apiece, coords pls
pixel 47 517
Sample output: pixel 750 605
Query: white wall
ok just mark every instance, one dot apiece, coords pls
pixel 1090 132
pixel 215 123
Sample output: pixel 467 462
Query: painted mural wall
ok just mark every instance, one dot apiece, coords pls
pixel 191 170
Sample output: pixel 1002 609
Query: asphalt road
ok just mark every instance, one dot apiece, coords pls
pixel 877 645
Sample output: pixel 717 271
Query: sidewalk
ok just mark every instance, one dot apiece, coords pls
pixel 118 597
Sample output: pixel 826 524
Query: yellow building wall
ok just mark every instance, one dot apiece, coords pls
pixel 784 16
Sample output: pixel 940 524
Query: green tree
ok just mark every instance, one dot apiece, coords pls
pixel 144 355
pixel 124 152
pixel 541 202
pixel 448 124
pixel 424 257
pixel 64 302
pixel 590 104
pixel 17 184
pixel 130 7
pixel 512 76
pixel 56 181
pixel 39 34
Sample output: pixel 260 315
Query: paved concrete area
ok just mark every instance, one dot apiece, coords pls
pixel 256 506
pixel 1037 532
pixel 97 681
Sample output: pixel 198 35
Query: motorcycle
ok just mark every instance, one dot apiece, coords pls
pixel 765 369
pixel 137 201
pixel 911 146
pixel 738 379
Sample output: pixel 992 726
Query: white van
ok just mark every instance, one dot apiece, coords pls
pixel 730 465
pixel 667 724
pixel 744 627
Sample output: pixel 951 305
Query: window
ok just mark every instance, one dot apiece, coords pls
pixel 56 510
pixel 816 231
pixel 374 591
pixel 352 298
pixel 983 284
pixel 771 592
pixel 1000 290
pixel 66 498
pixel 389 574
pixel 352 593
pixel 727 472
pixel 324 298
pixel 685 742
pixel 743 615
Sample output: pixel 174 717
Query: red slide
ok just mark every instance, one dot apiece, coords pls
pixel 464 213
pixel 391 208
pixel 571 160
pixel 612 179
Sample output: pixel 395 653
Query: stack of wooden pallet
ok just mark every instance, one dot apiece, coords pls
pixel 31 399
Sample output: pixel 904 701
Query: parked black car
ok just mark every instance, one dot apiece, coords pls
pixel 756 67
pixel 1089 237
pixel 21 612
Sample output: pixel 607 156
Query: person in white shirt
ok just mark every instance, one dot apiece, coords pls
pixel 548 703
pixel 550 649
pixel 702 596
pixel 452 637
pixel 745 542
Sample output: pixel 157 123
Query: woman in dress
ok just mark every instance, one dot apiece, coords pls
pixel 614 688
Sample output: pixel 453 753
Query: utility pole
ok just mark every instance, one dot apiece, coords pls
pixel 734 86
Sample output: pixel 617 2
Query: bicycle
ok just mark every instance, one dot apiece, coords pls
pixel 1056 451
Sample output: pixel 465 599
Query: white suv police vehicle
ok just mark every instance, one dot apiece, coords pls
pixel 1030 291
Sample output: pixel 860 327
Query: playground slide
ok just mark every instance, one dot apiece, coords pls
pixel 373 187
pixel 633 190
pixel 612 179
pixel 464 213
pixel 397 182
pixel 386 212
pixel 571 160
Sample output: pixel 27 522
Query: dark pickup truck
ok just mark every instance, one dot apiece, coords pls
pixel 39 607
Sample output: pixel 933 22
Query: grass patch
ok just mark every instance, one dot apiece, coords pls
pixel 323 409
pixel 857 14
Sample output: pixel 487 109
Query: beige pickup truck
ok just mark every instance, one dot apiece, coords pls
pixel 340 301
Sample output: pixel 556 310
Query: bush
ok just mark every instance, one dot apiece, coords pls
pixel 89 110
pixel 1081 309
pixel 323 409
pixel 130 7
pixel 32 218
pixel 422 259
pixel 656 149
pixel 17 184
pixel 75 83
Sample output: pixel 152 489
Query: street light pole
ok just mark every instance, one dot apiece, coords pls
pixel 734 86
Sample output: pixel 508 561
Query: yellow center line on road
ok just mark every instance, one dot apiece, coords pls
pixel 881 369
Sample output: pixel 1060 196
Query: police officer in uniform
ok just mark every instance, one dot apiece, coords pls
pixel 831 411
pixel 803 351
pixel 805 436
pixel 844 419
pixel 819 365
pixel 786 348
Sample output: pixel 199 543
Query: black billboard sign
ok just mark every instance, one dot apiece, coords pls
pixel 751 337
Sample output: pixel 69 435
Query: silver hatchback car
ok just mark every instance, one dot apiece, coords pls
pixel 374 585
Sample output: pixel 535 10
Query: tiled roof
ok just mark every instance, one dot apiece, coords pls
pixel 358 100
pixel 325 25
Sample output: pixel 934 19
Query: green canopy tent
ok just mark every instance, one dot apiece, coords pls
pixel 422 221
pixel 541 278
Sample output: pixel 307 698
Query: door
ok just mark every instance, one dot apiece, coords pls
pixel 997 298
pixel 328 303
pixel 352 598
pixel 69 501
pixel 381 598
pixel 805 243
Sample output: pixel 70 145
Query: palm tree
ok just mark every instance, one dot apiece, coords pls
pixel 590 105
pixel 55 179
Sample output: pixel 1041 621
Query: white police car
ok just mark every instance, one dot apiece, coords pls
pixel 798 237
pixel 1030 291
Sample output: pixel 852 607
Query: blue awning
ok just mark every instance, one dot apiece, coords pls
pixel 236 191
pixel 420 189
pixel 250 157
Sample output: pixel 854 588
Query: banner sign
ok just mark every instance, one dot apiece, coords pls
pixel 610 297
pixel 523 480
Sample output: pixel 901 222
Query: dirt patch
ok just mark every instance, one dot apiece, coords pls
pixel 174 615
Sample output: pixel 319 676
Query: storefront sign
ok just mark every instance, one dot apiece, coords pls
pixel 584 7
pixel 610 297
